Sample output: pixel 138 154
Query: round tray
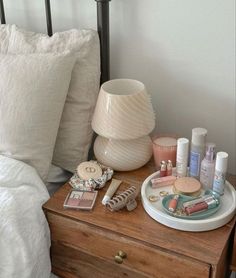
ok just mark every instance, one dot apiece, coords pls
pixel 157 212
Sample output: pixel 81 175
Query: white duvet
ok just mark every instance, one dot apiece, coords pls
pixel 24 231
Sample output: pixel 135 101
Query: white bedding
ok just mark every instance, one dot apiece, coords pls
pixel 24 231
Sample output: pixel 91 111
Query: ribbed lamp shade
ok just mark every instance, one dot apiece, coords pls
pixel 123 110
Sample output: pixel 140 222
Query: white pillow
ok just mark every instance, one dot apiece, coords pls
pixel 75 132
pixel 33 89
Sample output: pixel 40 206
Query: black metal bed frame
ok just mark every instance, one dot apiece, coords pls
pixel 102 28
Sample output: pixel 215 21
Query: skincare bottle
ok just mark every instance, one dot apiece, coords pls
pixel 163 169
pixel 169 167
pixel 208 167
pixel 182 157
pixel 197 151
pixel 220 172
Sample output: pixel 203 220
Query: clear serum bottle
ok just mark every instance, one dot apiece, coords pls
pixel 197 152
pixel 182 157
pixel 208 167
pixel 220 172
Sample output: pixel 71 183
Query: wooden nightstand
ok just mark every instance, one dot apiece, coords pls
pixel 84 243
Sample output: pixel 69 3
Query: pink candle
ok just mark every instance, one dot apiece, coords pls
pixel 164 148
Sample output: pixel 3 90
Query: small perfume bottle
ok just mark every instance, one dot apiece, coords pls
pixel 163 169
pixel 169 168
pixel 208 167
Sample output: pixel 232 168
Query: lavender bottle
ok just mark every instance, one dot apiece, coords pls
pixel 208 167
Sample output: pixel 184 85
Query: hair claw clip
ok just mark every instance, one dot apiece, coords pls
pixel 127 198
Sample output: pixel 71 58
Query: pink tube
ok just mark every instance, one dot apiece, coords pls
pixel 163 181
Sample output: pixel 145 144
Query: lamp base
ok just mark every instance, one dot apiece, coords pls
pixel 123 155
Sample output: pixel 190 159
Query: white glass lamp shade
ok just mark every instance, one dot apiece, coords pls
pixel 123 155
pixel 123 110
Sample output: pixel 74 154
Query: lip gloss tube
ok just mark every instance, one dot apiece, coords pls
pixel 163 181
pixel 202 206
pixel 198 200
pixel 173 203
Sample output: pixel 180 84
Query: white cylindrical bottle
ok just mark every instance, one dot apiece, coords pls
pixel 182 157
pixel 208 167
pixel 220 172
pixel 197 151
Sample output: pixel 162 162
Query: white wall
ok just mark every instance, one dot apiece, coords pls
pixel 183 50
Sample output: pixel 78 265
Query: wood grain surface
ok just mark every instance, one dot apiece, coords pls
pixel 206 249
pixel 105 245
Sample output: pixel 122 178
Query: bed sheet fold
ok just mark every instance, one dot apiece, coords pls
pixel 24 231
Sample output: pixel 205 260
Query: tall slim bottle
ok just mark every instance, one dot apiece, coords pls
pixel 220 172
pixel 208 167
pixel 197 151
pixel 182 157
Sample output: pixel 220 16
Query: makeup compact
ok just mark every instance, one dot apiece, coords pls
pixel 83 200
pixel 187 186
pixel 89 170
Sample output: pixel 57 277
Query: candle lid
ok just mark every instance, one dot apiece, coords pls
pixel 165 141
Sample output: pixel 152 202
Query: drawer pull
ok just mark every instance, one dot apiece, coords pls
pixel 118 259
pixel 122 254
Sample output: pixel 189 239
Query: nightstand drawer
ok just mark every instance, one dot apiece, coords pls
pixel 85 246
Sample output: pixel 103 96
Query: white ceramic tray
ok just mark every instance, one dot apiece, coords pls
pixel 154 209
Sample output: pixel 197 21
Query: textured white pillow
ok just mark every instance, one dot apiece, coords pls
pixel 75 132
pixel 33 89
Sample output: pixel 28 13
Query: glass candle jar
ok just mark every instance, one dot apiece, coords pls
pixel 164 148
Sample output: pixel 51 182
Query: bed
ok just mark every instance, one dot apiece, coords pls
pixel 48 89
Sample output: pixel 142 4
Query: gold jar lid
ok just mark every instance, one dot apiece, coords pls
pixel 187 186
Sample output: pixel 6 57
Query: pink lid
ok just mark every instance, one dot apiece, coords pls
pixel 165 142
